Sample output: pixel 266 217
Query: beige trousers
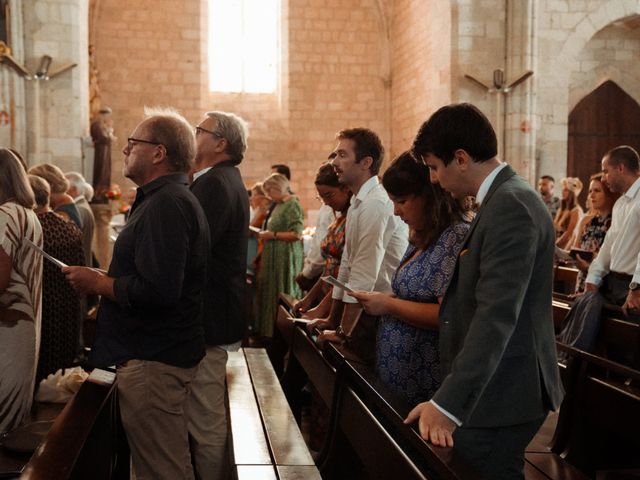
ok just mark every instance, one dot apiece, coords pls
pixel 207 416
pixel 152 398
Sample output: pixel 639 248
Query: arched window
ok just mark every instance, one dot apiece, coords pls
pixel 244 45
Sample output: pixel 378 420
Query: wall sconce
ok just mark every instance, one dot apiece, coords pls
pixel 43 70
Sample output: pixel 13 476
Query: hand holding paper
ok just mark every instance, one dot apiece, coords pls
pixel 53 260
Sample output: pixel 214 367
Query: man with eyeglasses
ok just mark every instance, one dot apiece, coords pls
pixel 149 319
pixel 221 140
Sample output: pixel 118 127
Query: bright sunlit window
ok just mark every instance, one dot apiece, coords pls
pixel 243 45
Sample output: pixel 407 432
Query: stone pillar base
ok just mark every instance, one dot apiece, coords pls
pixel 101 243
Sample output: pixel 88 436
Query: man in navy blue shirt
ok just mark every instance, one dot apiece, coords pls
pixel 149 319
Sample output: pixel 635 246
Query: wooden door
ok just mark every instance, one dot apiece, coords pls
pixel 604 119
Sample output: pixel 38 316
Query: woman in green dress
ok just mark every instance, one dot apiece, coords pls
pixel 281 258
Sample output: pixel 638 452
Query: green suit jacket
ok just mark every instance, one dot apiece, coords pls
pixel 497 343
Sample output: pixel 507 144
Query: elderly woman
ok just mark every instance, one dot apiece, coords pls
pixel 61 202
pixel 570 212
pixel 61 314
pixel 20 292
pixel 281 257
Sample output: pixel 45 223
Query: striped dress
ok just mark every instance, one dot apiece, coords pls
pixel 20 314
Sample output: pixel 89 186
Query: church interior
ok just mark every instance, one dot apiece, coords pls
pixel 383 64
pixel 559 81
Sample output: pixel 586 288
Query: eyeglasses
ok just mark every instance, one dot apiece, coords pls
pixel 132 141
pixel 200 131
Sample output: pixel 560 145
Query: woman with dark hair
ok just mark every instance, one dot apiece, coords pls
pixel 407 357
pixel 20 292
pixel 338 197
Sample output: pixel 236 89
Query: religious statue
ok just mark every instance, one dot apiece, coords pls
pixel 102 134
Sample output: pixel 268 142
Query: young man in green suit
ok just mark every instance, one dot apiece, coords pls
pixel 497 346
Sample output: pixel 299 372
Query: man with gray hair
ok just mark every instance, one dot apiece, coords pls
pixel 221 140
pixel 82 192
pixel 149 319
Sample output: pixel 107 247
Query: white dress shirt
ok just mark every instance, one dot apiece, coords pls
pixel 375 240
pixel 314 261
pixel 620 251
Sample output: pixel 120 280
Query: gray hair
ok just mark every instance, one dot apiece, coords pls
pixel 172 130
pixel 81 185
pixel 235 130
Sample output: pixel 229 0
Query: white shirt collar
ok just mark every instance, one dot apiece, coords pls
pixel 199 173
pixel 365 189
pixel 633 189
pixel 487 182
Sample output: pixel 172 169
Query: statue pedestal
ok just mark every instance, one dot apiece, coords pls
pixel 103 212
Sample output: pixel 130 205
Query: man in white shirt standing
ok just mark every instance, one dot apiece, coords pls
pixel 614 275
pixel 375 239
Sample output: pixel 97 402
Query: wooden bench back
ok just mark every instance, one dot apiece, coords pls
pixel 86 440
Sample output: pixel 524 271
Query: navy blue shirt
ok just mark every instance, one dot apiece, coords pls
pixel 159 265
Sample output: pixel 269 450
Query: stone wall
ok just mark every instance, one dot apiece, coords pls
pixel 148 53
pixel 420 66
pixel 572 61
pixel 384 64
pixel 51 114
pixel 335 76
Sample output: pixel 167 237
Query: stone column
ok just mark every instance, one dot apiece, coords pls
pixel 103 212
pixel 519 106
pixel 58 28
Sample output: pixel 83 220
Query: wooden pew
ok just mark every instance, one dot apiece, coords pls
pixel 606 418
pixel 264 439
pixel 598 422
pixel 565 279
pixel 86 440
pixel 619 336
pixel 370 418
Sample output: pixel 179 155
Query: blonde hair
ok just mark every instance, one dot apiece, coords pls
pixel 53 175
pixel 276 180
pixel 14 184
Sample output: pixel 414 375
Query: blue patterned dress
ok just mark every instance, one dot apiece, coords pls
pixel 407 357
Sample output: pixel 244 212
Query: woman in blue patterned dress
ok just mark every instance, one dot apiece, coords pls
pixel 407 357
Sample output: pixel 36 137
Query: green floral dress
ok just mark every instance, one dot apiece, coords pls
pixel 280 262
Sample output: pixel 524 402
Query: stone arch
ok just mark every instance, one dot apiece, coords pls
pixel 608 13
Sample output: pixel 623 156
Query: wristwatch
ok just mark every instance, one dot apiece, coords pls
pixel 633 286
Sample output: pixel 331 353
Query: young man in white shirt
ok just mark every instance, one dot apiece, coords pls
pixel 375 239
